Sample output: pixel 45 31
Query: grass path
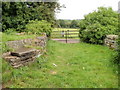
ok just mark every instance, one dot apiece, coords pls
pixel 69 66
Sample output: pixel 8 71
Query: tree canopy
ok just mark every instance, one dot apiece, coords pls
pixel 17 14
pixel 68 23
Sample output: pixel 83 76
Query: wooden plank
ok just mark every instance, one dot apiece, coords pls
pixel 74 37
pixel 68 31
pixel 67 37
pixel 68 34
pixel 56 31
pixel 56 34
pixel 73 31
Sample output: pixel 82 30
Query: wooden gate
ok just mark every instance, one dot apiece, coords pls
pixel 65 35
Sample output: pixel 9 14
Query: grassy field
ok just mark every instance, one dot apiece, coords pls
pixel 78 65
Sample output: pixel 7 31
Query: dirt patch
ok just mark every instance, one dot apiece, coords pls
pixel 53 72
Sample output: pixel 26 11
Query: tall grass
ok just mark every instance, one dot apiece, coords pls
pixel 12 37
pixel 5 68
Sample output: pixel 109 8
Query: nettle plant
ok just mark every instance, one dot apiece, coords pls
pixel 96 25
pixel 39 27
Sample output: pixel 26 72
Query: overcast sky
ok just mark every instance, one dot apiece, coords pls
pixel 76 9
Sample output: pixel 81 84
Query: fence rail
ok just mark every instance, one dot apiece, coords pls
pixel 65 34
pixel 65 37
pixel 67 30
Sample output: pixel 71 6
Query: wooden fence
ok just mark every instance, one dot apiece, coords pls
pixel 65 34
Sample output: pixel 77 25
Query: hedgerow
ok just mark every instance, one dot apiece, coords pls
pixel 98 24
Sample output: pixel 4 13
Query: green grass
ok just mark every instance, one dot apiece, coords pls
pixel 4 66
pixel 12 37
pixel 78 65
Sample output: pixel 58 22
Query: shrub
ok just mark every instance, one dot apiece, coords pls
pixel 10 31
pixel 117 57
pixel 38 27
pixel 96 25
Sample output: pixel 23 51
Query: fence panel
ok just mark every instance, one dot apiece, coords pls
pixel 65 34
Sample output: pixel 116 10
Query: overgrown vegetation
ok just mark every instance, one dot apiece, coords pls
pixel 66 66
pixel 38 27
pixel 17 14
pixel 11 37
pixel 78 65
pixel 117 57
pixel 98 24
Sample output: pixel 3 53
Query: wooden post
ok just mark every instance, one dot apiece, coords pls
pixel 62 33
pixel 68 33
pixel 66 36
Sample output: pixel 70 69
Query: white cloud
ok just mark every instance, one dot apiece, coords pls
pixel 76 9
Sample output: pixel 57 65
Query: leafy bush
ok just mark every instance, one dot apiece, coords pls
pixel 10 31
pixel 117 57
pixel 96 25
pixel 38 27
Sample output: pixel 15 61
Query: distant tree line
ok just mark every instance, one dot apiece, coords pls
pixel 17 14
pixel 62 23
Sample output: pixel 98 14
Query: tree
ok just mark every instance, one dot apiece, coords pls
pixel 68 23
pixel 17 14
pixel 74 24
pixel 62 23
